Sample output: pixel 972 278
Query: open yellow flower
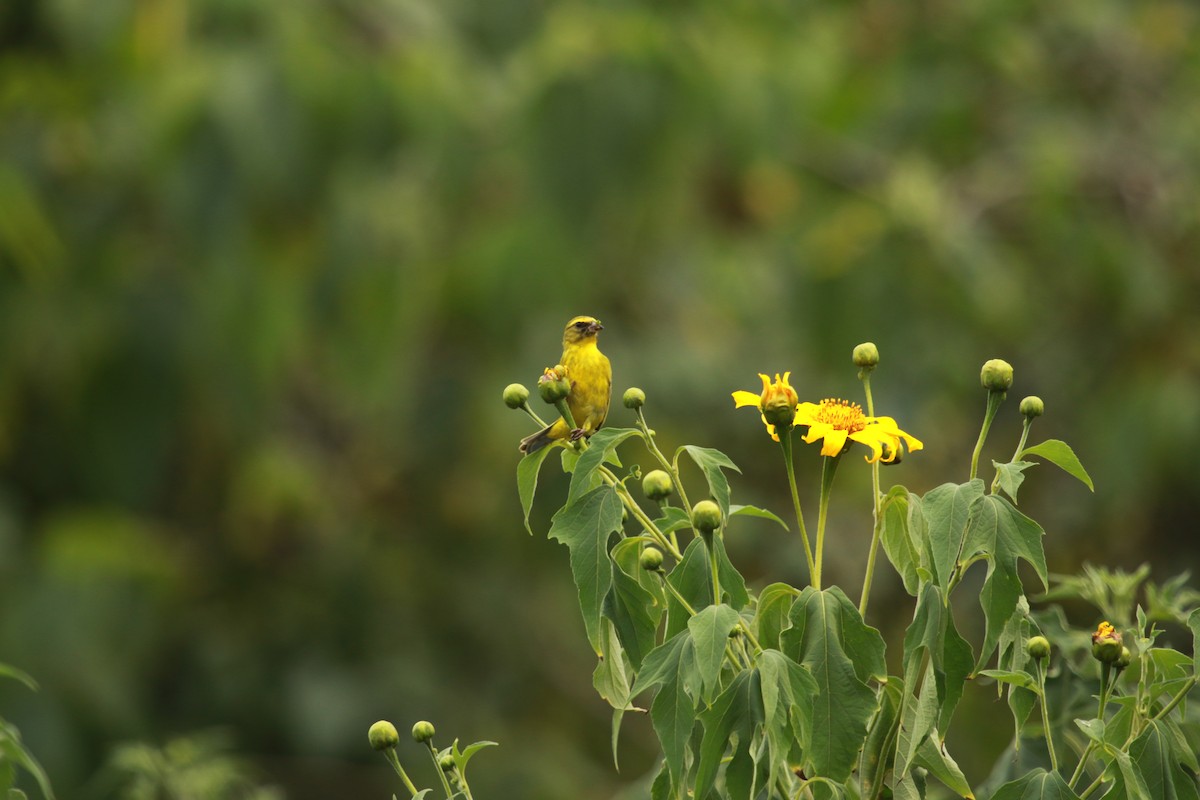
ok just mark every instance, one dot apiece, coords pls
pixel 776 404
pixel 835 422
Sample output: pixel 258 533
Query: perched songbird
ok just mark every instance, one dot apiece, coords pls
pixel 590 375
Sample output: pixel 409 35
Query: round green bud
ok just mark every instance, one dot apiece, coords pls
pixel 1038 647
pixel 552 388
pixel 1124 660
pixel 657 485
pixel 634 398
pixel 996 375
pixel 515 395
pixel 866 355
pixel 706 516
pixel 1032 406
pixel 383 735
pixel 422 732
pixel 651 559
pixel 446 762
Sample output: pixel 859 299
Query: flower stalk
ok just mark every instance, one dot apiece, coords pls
pixel 786 442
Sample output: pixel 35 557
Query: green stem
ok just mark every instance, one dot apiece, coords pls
pixel 1086 793
pixel 729 652
pixel 394 760
pixel 541 423
pixel 712 560
pixel 438 769
pixel 829 465
pixel 1177 699
pixel 993 405
pixel 1087 751
pixel 1016 453
pixel 1105 688
pixel 1040 672
pixel 647 524
pixel 785 440
pixel 671 467
pixel 876 520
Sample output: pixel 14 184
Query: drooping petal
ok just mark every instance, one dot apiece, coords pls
pixel 873 440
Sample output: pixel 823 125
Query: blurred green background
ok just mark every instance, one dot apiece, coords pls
pixel 265 268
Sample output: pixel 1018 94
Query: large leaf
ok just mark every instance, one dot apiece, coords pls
pixel 946 512
pixel 709 630
pixel 585 527
pixel 527 479
pixel 997 531
pixel 601 447
pixel 829 638
pixel 771 613
pixel 671 667
pixel 934 758
pixel 788 691
pixel 1037 785
pixel 898 544
pixel 1160 753
pixel 691 577
pixel 610 679
pixel 754 511
pixel 734 711
pixel 12 750
pixel 932 633
pixel 1060 453
pixel 711 462
pixel 635 614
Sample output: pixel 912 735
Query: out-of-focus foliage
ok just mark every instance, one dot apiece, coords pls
pixel 264 268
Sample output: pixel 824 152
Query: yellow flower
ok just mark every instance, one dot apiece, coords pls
pixel 776 404
pixel 837 421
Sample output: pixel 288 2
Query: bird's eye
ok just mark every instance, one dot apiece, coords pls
pixel 581 325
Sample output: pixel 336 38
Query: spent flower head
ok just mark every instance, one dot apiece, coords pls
pixel 1106 643
pixel 777 402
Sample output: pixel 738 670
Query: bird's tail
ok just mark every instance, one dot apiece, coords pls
pixel 536 441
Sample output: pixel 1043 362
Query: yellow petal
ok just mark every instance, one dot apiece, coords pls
pixel 871 440
pixel 743 398
pixel 835 440
pixel 806 414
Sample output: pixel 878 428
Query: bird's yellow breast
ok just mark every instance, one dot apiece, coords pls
pixel 591 383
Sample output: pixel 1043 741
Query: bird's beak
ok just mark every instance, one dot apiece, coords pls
pixel 595 327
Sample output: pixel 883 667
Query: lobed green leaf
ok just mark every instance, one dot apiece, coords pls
pixel 1059 453
pixel 585 527
pixel 711 462
pixel 527 480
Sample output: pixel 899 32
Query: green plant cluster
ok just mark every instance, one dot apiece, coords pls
pixel 788 691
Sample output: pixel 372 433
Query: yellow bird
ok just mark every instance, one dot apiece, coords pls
pixel 591 386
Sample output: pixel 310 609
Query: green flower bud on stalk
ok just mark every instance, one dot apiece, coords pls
pixel 1106 644
pixel 657 485
pixel 1032 406
pixel 446 762
pixel 383 735
pixel 706 516
pixel 422 732
pixel 651 559
pixel 1038 647
pixel 778 401
pixel 1125 659
pixel 996 375
pixel 554 385
pixel 515 395
pixel 634 398
pixel 866 355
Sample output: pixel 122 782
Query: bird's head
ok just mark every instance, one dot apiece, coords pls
pixel 580 329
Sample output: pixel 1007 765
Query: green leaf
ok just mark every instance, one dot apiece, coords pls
pixel 7 671
pixel 787 690
pixel 527 479
pixel 710 635
pixel 898 544
pixel 1037 785
pixel 12 750
pixel 771 614
pixel 1060 453
pixel 754 511
pixel 1194 624
pixel 711 462
pixel 829 638
pixel 934 758
pixel 1013 677
pixel 1159 754
pixel 601 447
pixel 463 757
pixel 997 531
pixel 729 714
pixel 1011 477
pixel 635 614
pixel 610 679
pixel 946 512
pixel 878 753
pixel 673 519
pixel 691 577
pixel 672 713
pixel 932 631
pixel 585 527
pixel 733 585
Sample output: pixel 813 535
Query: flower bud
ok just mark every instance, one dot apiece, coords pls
pixel 1106 644
pixel 383 735
pixel 778 401
pixel 996 375
pixel 515 395
pixel 866 355
pixel 554 385
pixel 1032 406
pixel 634 398
pixel 446 762
pixel 706 516
pixel 1038 647
pixel 422 732
pixel 657 485
pixel 1125 659
pixel 651 559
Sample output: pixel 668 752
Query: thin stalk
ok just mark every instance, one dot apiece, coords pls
pixel 647 524
pixel 729 652
pixel 541 423
pixel 785 440
pixel 993 405
pixel 829 466
pixel 712 560
pixel 1087 752
pixel 1040 672
pixel 438 769
pixel 1016 453
pixel 1086 793
pixel 394 760
pixel 671 467
pixel 876 520
pixel 1177 699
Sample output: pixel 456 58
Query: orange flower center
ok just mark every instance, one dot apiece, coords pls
pixel 841 415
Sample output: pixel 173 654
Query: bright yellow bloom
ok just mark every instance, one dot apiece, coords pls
pixel 776 404
pixel 836 421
